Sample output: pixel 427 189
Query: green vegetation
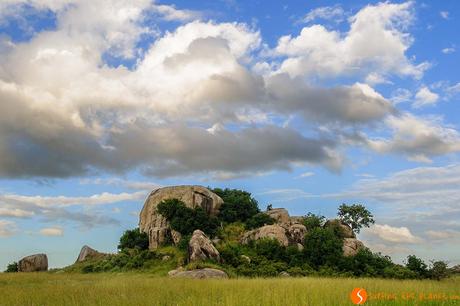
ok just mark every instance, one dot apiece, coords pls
pixel 356 216
pixel 133 239
pixel 185 220
pixel 12 267
pixel 312 221
pixel 141 289
pixel 258 220
pixel 238 205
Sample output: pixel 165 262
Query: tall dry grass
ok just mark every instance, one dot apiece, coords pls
pixel 145 289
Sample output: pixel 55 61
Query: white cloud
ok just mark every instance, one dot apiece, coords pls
pixel 443 235
pixel 333 13
pixel 401 95
pixel 52 231
pixel 424 97
pixel 169 12
pixel 139 185
pixel 444 14
pixel 306 174
pixel 448 50
pixel 7 228
pixel 376 43
pixel 15 212
pixel 393 234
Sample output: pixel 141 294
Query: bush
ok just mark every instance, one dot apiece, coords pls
pixel 232 232
pixel 366 264
pixel 312 221
pixel 133 239
pixel 322 247
pixel 185 220
pixel 128 259
pixel 258 220
pixel 399 272
pixel 183 242
pixel 238 205
pixel 12 267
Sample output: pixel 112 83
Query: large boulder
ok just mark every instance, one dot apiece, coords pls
pixel 274 231
pixel 351 246
pixel 280 215
pixel 345 228
pixel 198 273
pixel 33 263
pixel 87 252
pixel 156 226
pixel 296 233
pixel 200 248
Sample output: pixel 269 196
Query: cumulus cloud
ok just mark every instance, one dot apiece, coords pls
pixel 377 40
pixel 52 231
pixel 424 97
pixel 15 212
pixel 393 234
pixel 334 13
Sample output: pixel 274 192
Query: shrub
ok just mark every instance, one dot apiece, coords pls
pixel 258 220
pixel 398 272
pixel 232 232
pixel 238 205
pixel 312 221
pixel 185 220
pixel 269 248
pixel 183 242
pixel 417 265
pixel 322 247
pixel 366 263
pixel 133 239
pixel 12 267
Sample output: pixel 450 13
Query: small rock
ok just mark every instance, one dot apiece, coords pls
pixel 297 233
pixel 280 215
pixel 166 258
pixel 246 258
pixel 199 273
pixel 87 252
pixel 351 246
pixel 274 231
pixel 345 228
pixel 284 274
pixel 33 263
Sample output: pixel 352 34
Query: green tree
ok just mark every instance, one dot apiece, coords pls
pixel 312 221
pixel 12 267
pixel 417 265
pixel 438 270
pixel 238 205
pixel 322 247
pixel 259 220
pixel 133 239
pixel 356 216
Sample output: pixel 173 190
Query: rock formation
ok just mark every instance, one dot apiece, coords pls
pixel 33 263
pixel 345 228
pixel 296 233
pixel 274 231
pixel 156 226
pixel 87 252
pixel 199 273
pixel 280 215
pixel 201 248
pixel 351 246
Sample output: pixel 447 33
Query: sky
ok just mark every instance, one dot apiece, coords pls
pixel 305 104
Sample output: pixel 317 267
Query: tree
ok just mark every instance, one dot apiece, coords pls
pixel 259 220
pixel 134 239
pixel 12 267
pixel 356 216
pixel 312 221
pixel 439 270
pixel 322 247
pixel 238 205
pixel 417 265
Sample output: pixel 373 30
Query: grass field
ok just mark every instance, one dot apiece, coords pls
pixel 144 289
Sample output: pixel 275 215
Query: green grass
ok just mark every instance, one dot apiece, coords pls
pixel 147 289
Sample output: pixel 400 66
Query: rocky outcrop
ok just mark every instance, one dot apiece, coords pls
pixel 351 246
pixel 198 274
pixel 345 228
pixel 274 231
pixel 296 233
pixel 201 248
pixel 87 252
pixel 33 263
pixel 156 226
pixel 280 215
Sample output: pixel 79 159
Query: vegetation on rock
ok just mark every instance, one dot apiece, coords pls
pixel 133 239
pixel 356 216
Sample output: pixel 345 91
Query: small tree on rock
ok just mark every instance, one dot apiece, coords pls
pixel 356 216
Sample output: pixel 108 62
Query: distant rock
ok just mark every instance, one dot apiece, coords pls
pixel 201 248
pixel 165 258
pixel 455 269
pixel 274 231
pixel 87 252
pixel 296 233
pixel 245 258
pixel 33 263
pixel 157 227
pixel 284 274
pixel 280 215
pixel 351 246
pixel 345 228
pixel 199 274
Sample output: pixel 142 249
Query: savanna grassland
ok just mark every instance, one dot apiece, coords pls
pixel 146 289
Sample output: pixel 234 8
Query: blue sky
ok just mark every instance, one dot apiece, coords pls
pixel 306 104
